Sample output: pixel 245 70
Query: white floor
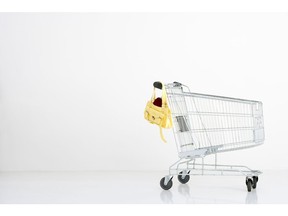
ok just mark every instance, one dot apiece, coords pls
pixel 137 187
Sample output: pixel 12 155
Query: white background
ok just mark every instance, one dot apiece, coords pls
pixel 73 87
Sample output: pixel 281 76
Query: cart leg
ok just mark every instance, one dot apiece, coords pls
pixel 167 179
pixel 216 161
pixel 183 173
pixel 202 165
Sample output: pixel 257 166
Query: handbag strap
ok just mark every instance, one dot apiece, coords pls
pixel 164 96
pixel 153 95
pixel 161 135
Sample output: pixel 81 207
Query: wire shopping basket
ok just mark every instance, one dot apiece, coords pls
pixel 207 124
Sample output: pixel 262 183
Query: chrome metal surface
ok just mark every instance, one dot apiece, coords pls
pixel 208 124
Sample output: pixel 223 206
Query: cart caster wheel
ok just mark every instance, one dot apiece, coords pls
pixel 249 184
pixel 255 180
pixel 166 187
pixel 181 180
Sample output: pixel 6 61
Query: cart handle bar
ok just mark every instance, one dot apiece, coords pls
pixel 158 84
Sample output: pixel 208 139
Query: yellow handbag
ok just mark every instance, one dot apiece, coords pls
pixel 160 116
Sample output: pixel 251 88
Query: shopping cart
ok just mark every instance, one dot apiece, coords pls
pixel 207 125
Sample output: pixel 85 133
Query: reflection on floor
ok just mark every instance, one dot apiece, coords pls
pixel 137 187
pixel 184 190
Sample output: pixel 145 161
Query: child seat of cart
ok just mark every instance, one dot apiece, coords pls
pixel 182 123
pixel 188 149
pixel 183 127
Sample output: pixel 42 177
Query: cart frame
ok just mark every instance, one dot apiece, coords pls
pixel 249 115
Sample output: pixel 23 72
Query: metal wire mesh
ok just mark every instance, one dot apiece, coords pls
pixel 213 123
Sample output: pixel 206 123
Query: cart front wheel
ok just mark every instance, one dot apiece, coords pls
pixel 249 184
pixel 166 187
pixel 183 180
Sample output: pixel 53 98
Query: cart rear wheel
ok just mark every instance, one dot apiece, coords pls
pixel 183 180
pixel 166 187
pixel 255 180
pixel 249 184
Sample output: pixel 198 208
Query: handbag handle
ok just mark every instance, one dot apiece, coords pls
pixel 157 84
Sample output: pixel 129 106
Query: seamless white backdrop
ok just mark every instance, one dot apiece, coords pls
pixel 73 86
